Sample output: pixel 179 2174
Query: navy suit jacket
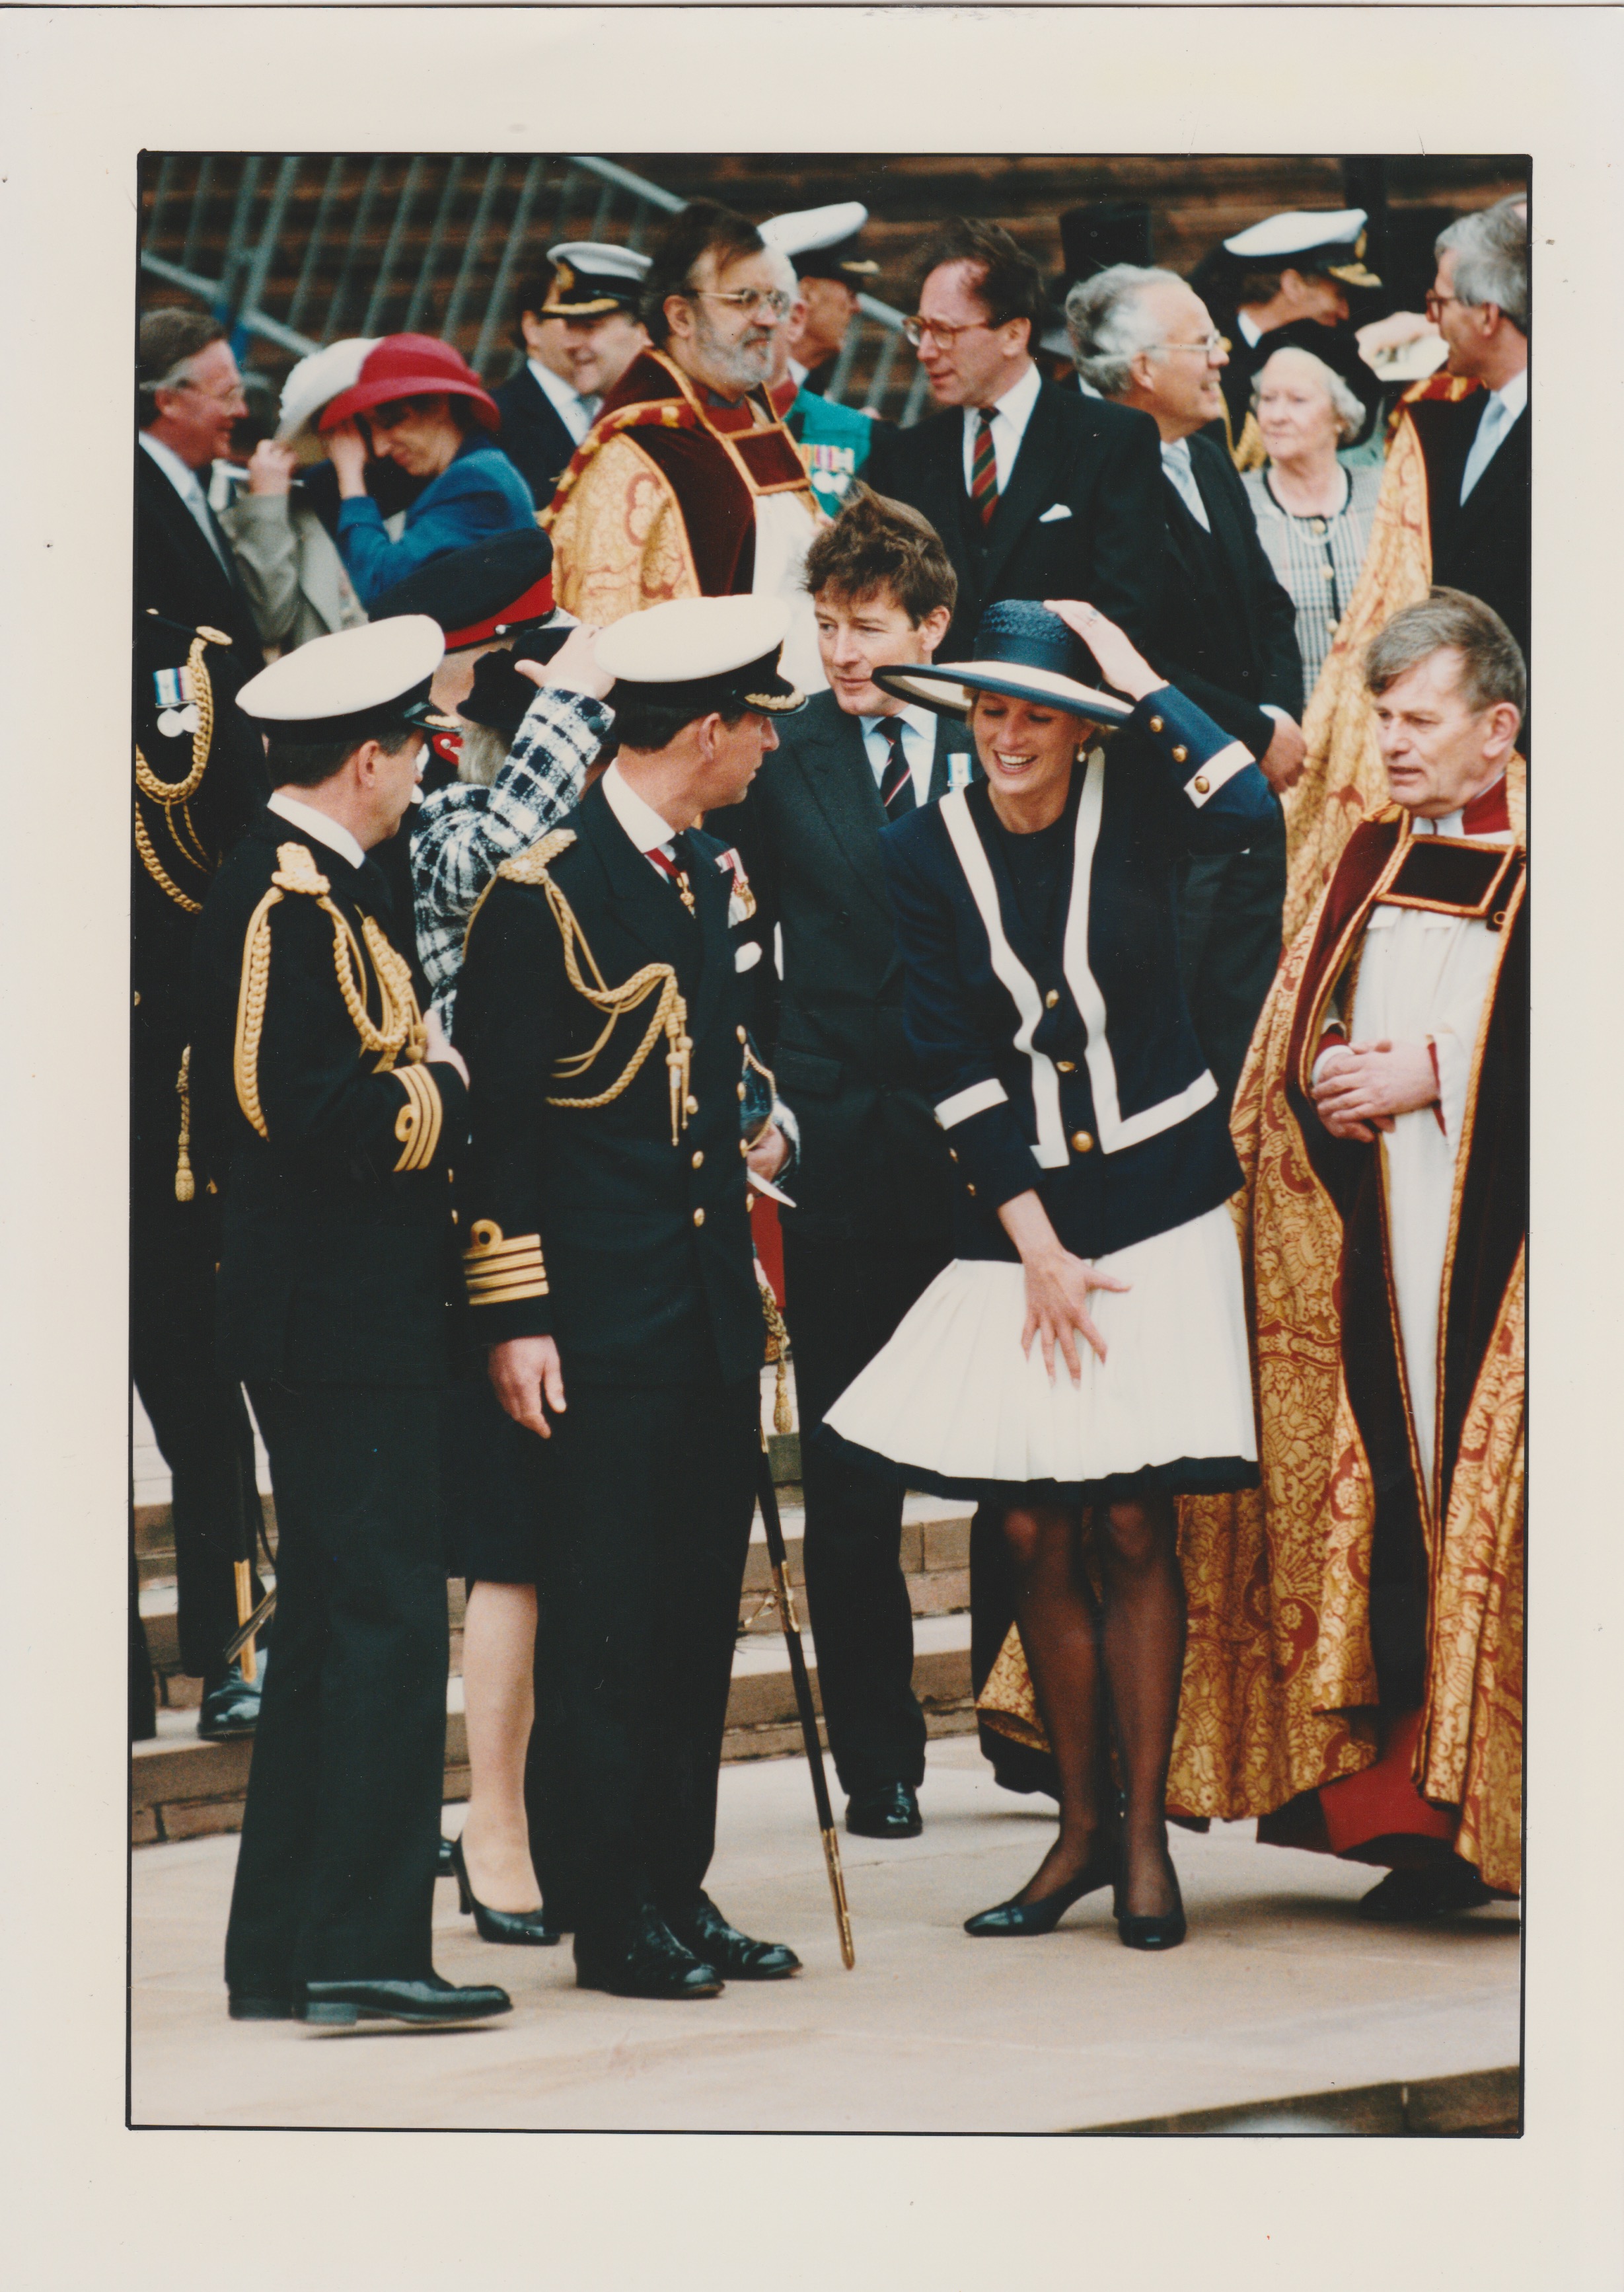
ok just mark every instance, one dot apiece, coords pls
pixel 1072 1066
pixel 533 436
pixel 1081 516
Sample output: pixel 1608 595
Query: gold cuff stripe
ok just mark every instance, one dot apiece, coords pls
pixel 479 1276
pixel 417 1124
pixel 509 1296
pixel 497 1272
pixel 530 1284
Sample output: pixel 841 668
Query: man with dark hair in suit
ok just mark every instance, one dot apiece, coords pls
pixel 872 1221
pixel 200 778
pixel 1035 490
pixel 1226 632
pixel 577 324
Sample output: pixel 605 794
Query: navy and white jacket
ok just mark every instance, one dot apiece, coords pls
pixel 1074 1067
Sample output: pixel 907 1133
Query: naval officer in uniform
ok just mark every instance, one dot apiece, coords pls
pixel 603 1008
pixel 328 1112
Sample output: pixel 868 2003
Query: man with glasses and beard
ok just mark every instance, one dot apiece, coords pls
pixel 688 485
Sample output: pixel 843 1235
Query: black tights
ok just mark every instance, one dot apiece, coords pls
pixel 1137 1642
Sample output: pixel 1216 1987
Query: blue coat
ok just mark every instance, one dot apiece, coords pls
pixel 1072 1066
pixel 480 495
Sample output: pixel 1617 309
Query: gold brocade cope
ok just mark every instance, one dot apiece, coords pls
pixel 1007 1701
pixel 620 537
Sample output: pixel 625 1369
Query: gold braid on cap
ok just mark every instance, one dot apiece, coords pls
pixel 175 795
pixel 401 1027
pixel 669 1012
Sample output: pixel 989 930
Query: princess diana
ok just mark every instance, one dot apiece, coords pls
pixel 1085 1353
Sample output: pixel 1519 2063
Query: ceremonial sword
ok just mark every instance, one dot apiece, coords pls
pixel 784 1591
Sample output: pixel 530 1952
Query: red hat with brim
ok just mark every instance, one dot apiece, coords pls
pixel 412 366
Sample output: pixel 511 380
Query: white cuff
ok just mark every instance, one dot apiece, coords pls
pixel 976 1099
pixel 1210 777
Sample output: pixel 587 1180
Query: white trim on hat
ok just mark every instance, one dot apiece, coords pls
pixel 1298 231
pixel 341 674
pixel 691 638
pixel 808 229
pixel 948 684
pixel 592 259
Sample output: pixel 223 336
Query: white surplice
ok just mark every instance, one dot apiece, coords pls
pixel 1424 975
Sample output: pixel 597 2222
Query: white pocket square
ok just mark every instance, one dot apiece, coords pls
pixel 747 956
pixel 1053 516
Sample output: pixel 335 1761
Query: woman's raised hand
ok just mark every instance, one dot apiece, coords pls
pixel 1124 666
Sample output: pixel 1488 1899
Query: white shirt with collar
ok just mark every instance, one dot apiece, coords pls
pixel 1011 416
pixel 309 821
pixel 1248 330
pixel 576 413
pixel 1493 428
pixel 189 485
pixel 918 745
pixel 799 373
pixel 648 830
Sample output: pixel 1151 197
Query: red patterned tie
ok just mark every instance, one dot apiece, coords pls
pixel 666 862
pixel 984 468
pixel 896 792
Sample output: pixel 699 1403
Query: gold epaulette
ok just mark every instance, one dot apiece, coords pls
pixel 296 871
pixel 529 866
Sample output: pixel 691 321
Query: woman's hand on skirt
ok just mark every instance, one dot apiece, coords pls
pixel 1057 1287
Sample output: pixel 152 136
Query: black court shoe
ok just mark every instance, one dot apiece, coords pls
pixel 1411 1897
pixel 1006 1921
pixel 1162 1930
pixel 523 1927
pixel 429 2002
pixel 702 1928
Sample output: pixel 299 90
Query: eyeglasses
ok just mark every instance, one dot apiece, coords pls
pixel 1211 346
pixel 944 336
pixel 233 394
pixel 1435 302
pixel 748 300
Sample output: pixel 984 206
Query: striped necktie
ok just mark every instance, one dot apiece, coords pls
pixel 896 792
pixel 984 468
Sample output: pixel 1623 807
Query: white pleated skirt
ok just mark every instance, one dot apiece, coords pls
pixel 955 1404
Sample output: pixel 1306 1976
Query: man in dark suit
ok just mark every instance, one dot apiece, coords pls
pixel 579 330
pixel 872 1222
pixel 603 1005
pixel 1226 631
pixel 328 1113
pixel 200 778
pixel 1477 449
pixel 1036 491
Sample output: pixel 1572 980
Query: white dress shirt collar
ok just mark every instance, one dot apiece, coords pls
pixel 1248 330
pixel 799 373
pixel 1012 413
pixel 1512 396
pixel 311 822
pixel 576 413
pixel 647 828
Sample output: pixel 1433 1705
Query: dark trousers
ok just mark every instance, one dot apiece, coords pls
pixel 341 1836
pixel 644 1533
pixel 843 1300
pixel 1229 912
pixel 199 1419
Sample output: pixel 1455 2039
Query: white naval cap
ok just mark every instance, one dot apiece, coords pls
pixel 591 278
pixel 810 229
pixel 1334 236
pixel 346 685
pixel 318 378
pixel 705 650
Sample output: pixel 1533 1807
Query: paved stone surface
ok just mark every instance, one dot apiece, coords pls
pixel 1280 1991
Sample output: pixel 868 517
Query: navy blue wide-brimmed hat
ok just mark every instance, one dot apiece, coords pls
pixel 1023 651
pixel 486 589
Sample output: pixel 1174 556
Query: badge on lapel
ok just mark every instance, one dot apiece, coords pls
pixel 741 898
pixel 958 773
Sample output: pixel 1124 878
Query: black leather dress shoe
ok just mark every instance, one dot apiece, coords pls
pixel 245 2007
pixel 522 1926
pixel 700 1927
pixel 231 1706
pixel 884 1811
pixel 446 1868
pixel 428 2001
pixel 646 1960
pixel 1411 1897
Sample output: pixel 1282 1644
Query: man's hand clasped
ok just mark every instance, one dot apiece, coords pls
pixel 1365 1087
pixel 769 1153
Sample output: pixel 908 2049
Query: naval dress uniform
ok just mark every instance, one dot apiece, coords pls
pixel 331 1137
pixel 1044 1006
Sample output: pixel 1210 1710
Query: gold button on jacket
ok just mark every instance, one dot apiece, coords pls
pixel 1203 785
pixel 699 1217
pixel 1051 998
pixel 1081 1140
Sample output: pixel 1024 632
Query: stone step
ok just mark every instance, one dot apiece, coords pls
pixel 181 1787
pixel 935 1561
